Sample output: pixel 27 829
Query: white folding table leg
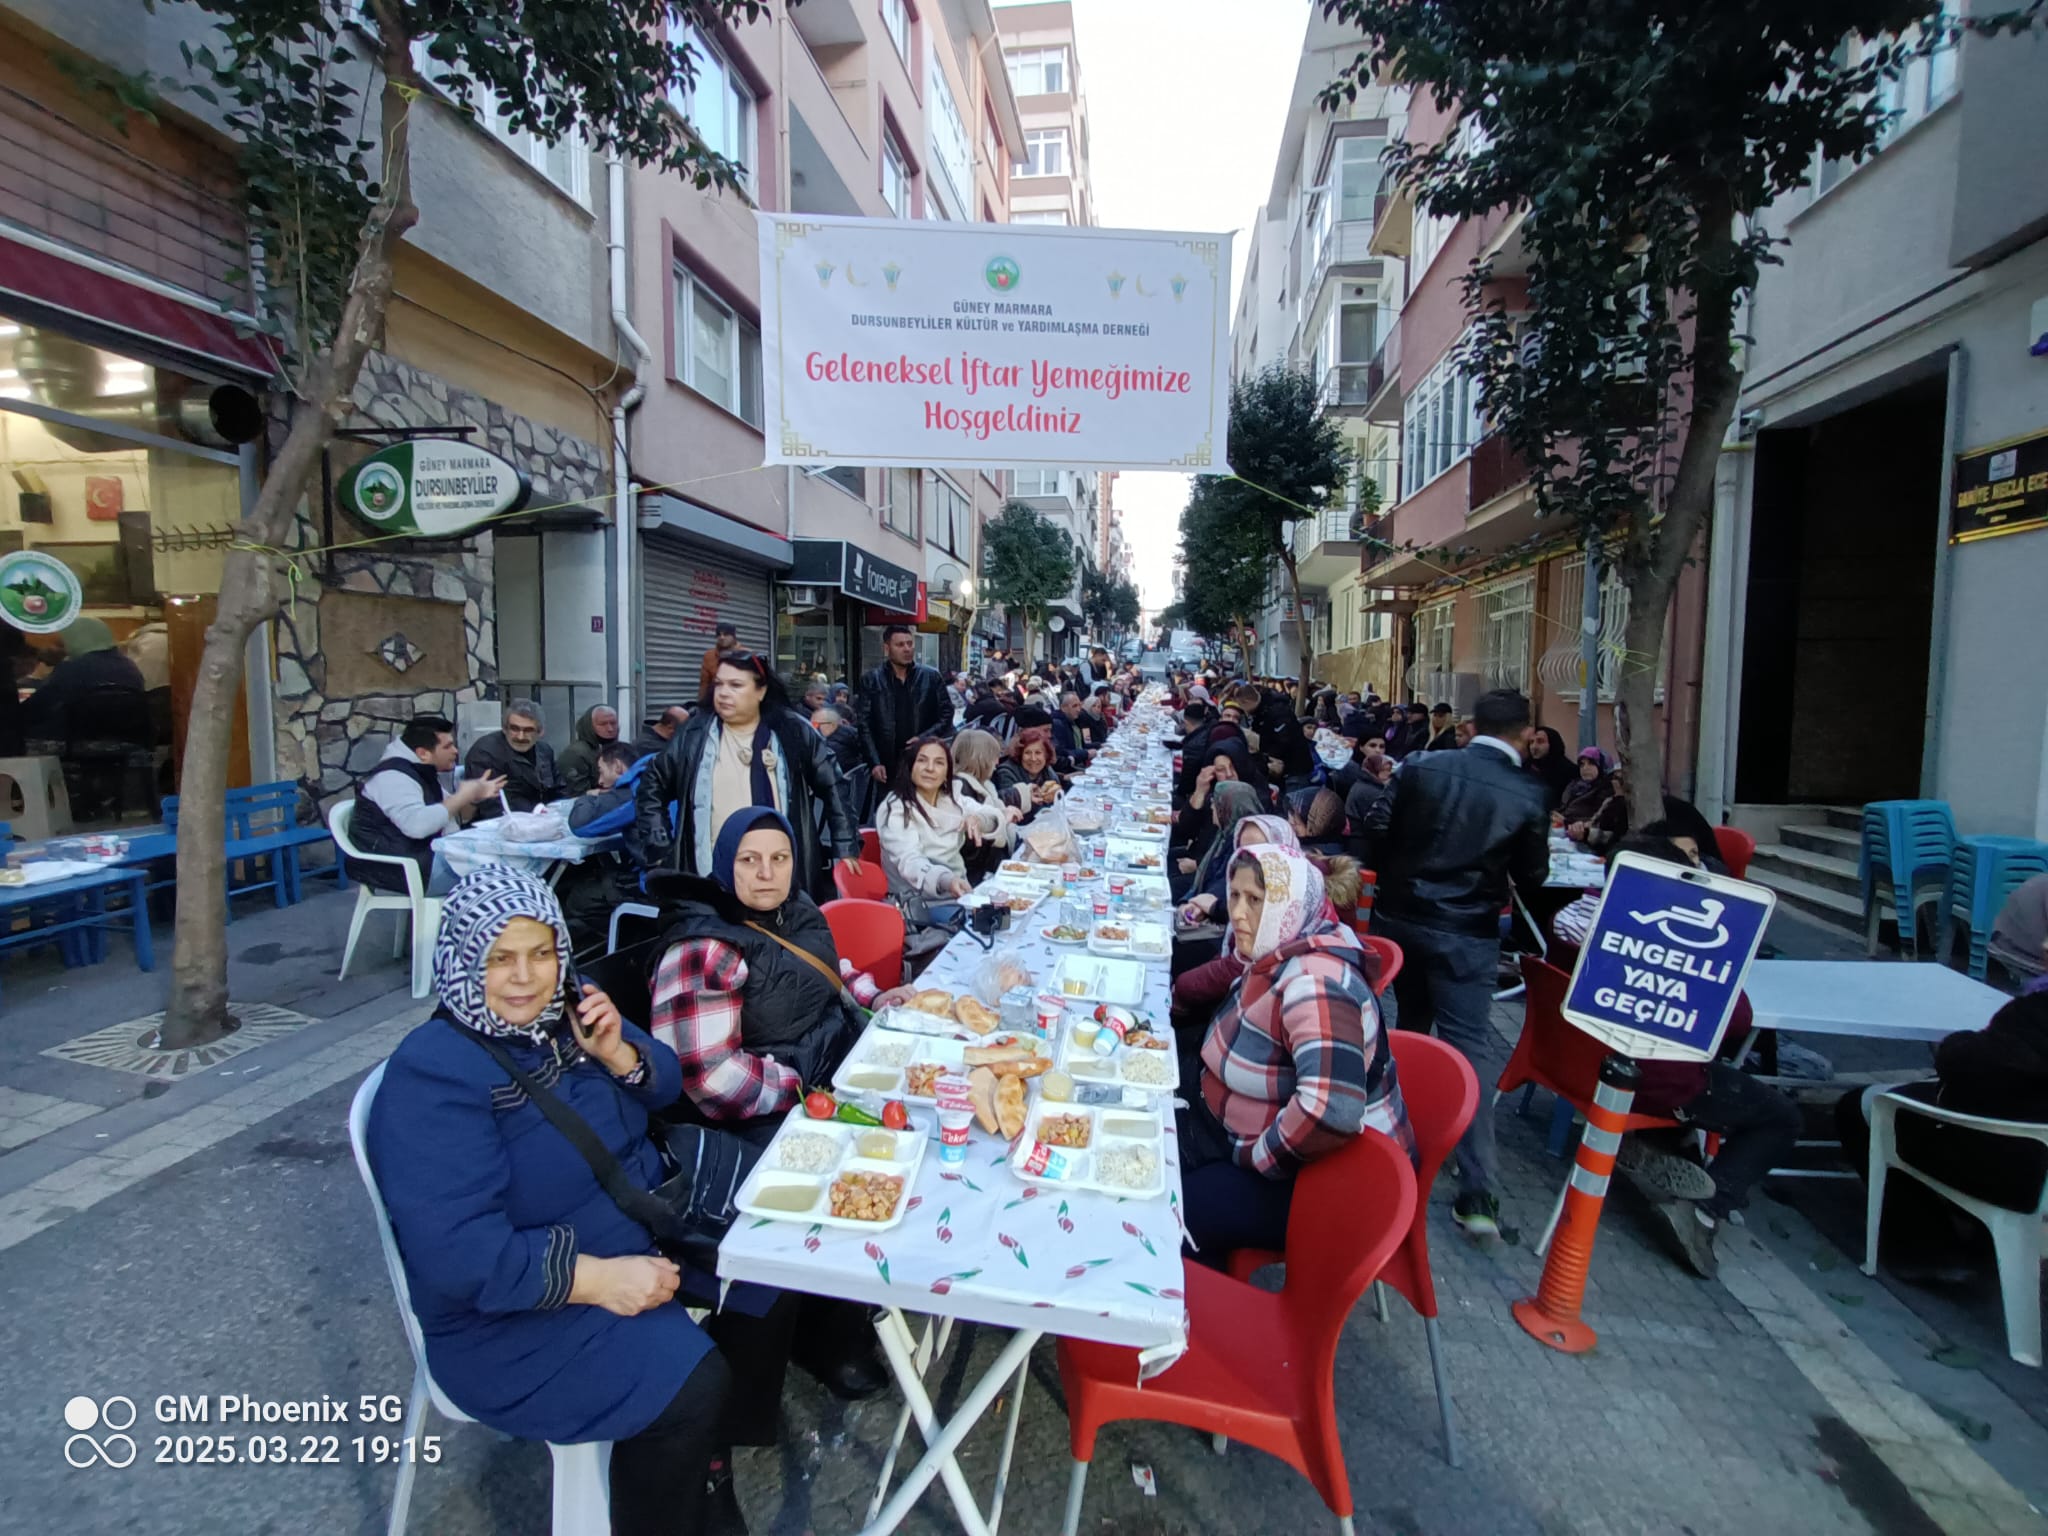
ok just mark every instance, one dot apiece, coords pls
pixel 938 1460
pixel 1077 1485
pixel 927 1352
pixel 995 1508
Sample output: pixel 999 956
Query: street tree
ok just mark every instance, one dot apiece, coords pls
pixel 1108 602
pixel 1292 461
pixel 1637 142
pixel 1225 558
pixel 1027 563
pixel 319 99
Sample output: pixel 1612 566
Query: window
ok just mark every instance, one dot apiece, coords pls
pixel 952 515
pixel 1358 177
pixel 1377 622
pixel 719 351
pixel 1038 72
pixel 1038 482
pixel 951 149
pixel 1433 633
pixel 900 488
pixel 992 146
pixel 1431 231
pixel 1045 152
pixel 895 177
pixel 718 104
pixel 565 163
pixel 1569 603
pixel 1440 422
pixel 1040 216
pixel 850 478
pixel 898 19
pixel 1505 614
pixel 1924 84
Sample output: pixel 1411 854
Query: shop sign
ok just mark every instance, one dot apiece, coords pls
pixel 2000 489
pixel 434 487
pixel 38 592
pixel 878 582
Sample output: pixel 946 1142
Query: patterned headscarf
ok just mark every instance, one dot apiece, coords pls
pixel 1275 829
pixel 1231 802
pixel 1294 897
pixel 473 916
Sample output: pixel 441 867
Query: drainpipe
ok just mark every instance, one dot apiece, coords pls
pixel 626 520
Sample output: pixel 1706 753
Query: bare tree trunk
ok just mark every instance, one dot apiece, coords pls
pixel 1308 639
pixel 1656 552
pixel 197 1009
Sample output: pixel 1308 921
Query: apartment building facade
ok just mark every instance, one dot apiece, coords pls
pixel 1052 185
pixel 863 108
pixel 1318 297
pixel 1881 532
pixel 123 320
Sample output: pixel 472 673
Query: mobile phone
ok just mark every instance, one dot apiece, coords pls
pixel 572 997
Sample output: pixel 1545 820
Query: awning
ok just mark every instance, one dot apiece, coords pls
pixel 71 288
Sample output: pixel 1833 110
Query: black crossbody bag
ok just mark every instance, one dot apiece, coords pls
pixel 691 1210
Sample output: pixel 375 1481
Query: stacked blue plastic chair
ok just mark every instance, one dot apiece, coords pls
pixel 1907 849
pixel 1986 870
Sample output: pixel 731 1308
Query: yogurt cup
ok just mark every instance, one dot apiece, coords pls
pixel 956 1116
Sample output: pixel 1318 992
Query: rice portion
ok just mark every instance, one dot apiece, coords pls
pixel 808 1152
pixel 889 1053
pixel 1149 1067
pixel 1132 1166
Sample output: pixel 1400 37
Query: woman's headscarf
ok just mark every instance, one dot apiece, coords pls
pixel 1555 768
pixel 1232 802
pixel 727 849
pixel 1249 770
pixel 475 913
pixel 1294 897
pixel 87 637
pixel 1277 829
pixel 1582 798
pixel 1321 812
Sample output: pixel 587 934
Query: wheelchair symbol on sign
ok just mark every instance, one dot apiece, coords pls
pixel 1695 929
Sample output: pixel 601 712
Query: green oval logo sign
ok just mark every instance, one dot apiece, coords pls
pixel 435 487
pixel 1002 274
pixel 38 592
pixel 380 491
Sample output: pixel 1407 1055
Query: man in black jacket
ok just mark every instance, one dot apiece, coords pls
pixel 1461 825
pixel 900 700
pixel 517 755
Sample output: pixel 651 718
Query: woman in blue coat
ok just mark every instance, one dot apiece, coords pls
pixel 547 1312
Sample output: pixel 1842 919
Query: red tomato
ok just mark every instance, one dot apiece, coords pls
pixel 895 1116
pixel 820 1105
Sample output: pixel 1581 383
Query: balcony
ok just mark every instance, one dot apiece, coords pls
pixel 1496 469
pixel 1368 389
pixel 1346 244
pixel 1327 546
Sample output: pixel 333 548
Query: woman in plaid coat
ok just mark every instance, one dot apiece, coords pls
pixel 1294 1064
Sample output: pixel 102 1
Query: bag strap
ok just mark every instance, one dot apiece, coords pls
pixel 611 1174
pixel 806 956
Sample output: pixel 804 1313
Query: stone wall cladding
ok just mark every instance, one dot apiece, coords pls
pixel 325 741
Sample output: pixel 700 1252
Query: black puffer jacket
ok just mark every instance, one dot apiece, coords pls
pixel 881 733
pixel 671 781
pixel 1461 825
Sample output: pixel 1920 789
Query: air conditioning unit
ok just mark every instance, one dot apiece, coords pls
pixel 806 597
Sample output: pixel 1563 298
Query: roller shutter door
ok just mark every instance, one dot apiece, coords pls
pixel 687 589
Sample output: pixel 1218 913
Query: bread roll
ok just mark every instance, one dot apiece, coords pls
pixel 1010 1110
pixel 981 1090
pixel 933 1000
pixel 976 1015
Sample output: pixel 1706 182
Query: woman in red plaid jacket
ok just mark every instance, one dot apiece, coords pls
pixel 1294 1064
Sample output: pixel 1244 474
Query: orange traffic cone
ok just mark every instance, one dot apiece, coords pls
pixel 1551 1316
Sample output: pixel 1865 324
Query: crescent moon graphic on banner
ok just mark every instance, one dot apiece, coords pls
pixel 851 280
pixel 1142 293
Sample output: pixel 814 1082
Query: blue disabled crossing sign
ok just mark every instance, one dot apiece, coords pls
pixel 1660 971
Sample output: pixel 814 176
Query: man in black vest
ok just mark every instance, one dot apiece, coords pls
pixel 400 806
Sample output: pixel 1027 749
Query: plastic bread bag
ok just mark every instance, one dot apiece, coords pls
pixel 1048 838
pixel 1000 971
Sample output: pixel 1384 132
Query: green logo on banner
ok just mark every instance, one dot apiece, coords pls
pixel 1002 274
pixel 38 592
pixel 435 487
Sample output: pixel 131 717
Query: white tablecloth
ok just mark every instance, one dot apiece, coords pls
pixel 468 849
pixel 980 1244
pixel 1903 1001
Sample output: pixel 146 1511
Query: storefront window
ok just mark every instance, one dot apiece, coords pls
pixel 112 465
pixel 809 644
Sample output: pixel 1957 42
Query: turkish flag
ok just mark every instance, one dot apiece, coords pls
pixel 104 498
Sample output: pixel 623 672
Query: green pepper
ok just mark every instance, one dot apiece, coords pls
pixel 853 1114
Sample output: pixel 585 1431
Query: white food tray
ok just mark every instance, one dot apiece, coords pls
pixel 1100 944
pixel 1100 980
pixel 860 1062
pixel 769 1174
pixel 1084 1160
pixel 1084 1065
pixel 1124 853
pixel 1008 886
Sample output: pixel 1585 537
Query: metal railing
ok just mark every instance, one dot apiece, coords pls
pixel 1333 525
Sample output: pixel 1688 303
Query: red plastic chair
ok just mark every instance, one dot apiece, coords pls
pixel 871 884
pixel 1442 1094
pixel 1261 1366
pixel 1388 951
pixel 1736 848
pixel 870 846
pixel 869 936
pixel 1552 1053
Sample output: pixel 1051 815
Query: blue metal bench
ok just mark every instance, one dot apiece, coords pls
pixel 262 825
pixel 73 915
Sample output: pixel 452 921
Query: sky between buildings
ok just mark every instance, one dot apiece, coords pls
pixel 1188 98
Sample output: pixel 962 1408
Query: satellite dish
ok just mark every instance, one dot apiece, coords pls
pixel 1056 624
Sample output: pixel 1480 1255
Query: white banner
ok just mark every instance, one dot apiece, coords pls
pixel 933 343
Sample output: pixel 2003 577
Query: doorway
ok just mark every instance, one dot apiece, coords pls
pixel 1844 523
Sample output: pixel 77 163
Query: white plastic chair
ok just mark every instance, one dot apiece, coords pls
pixel 45 801
pixel 424 911
pixel 582 1480
pixel 623 910
pixel 2016 1235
